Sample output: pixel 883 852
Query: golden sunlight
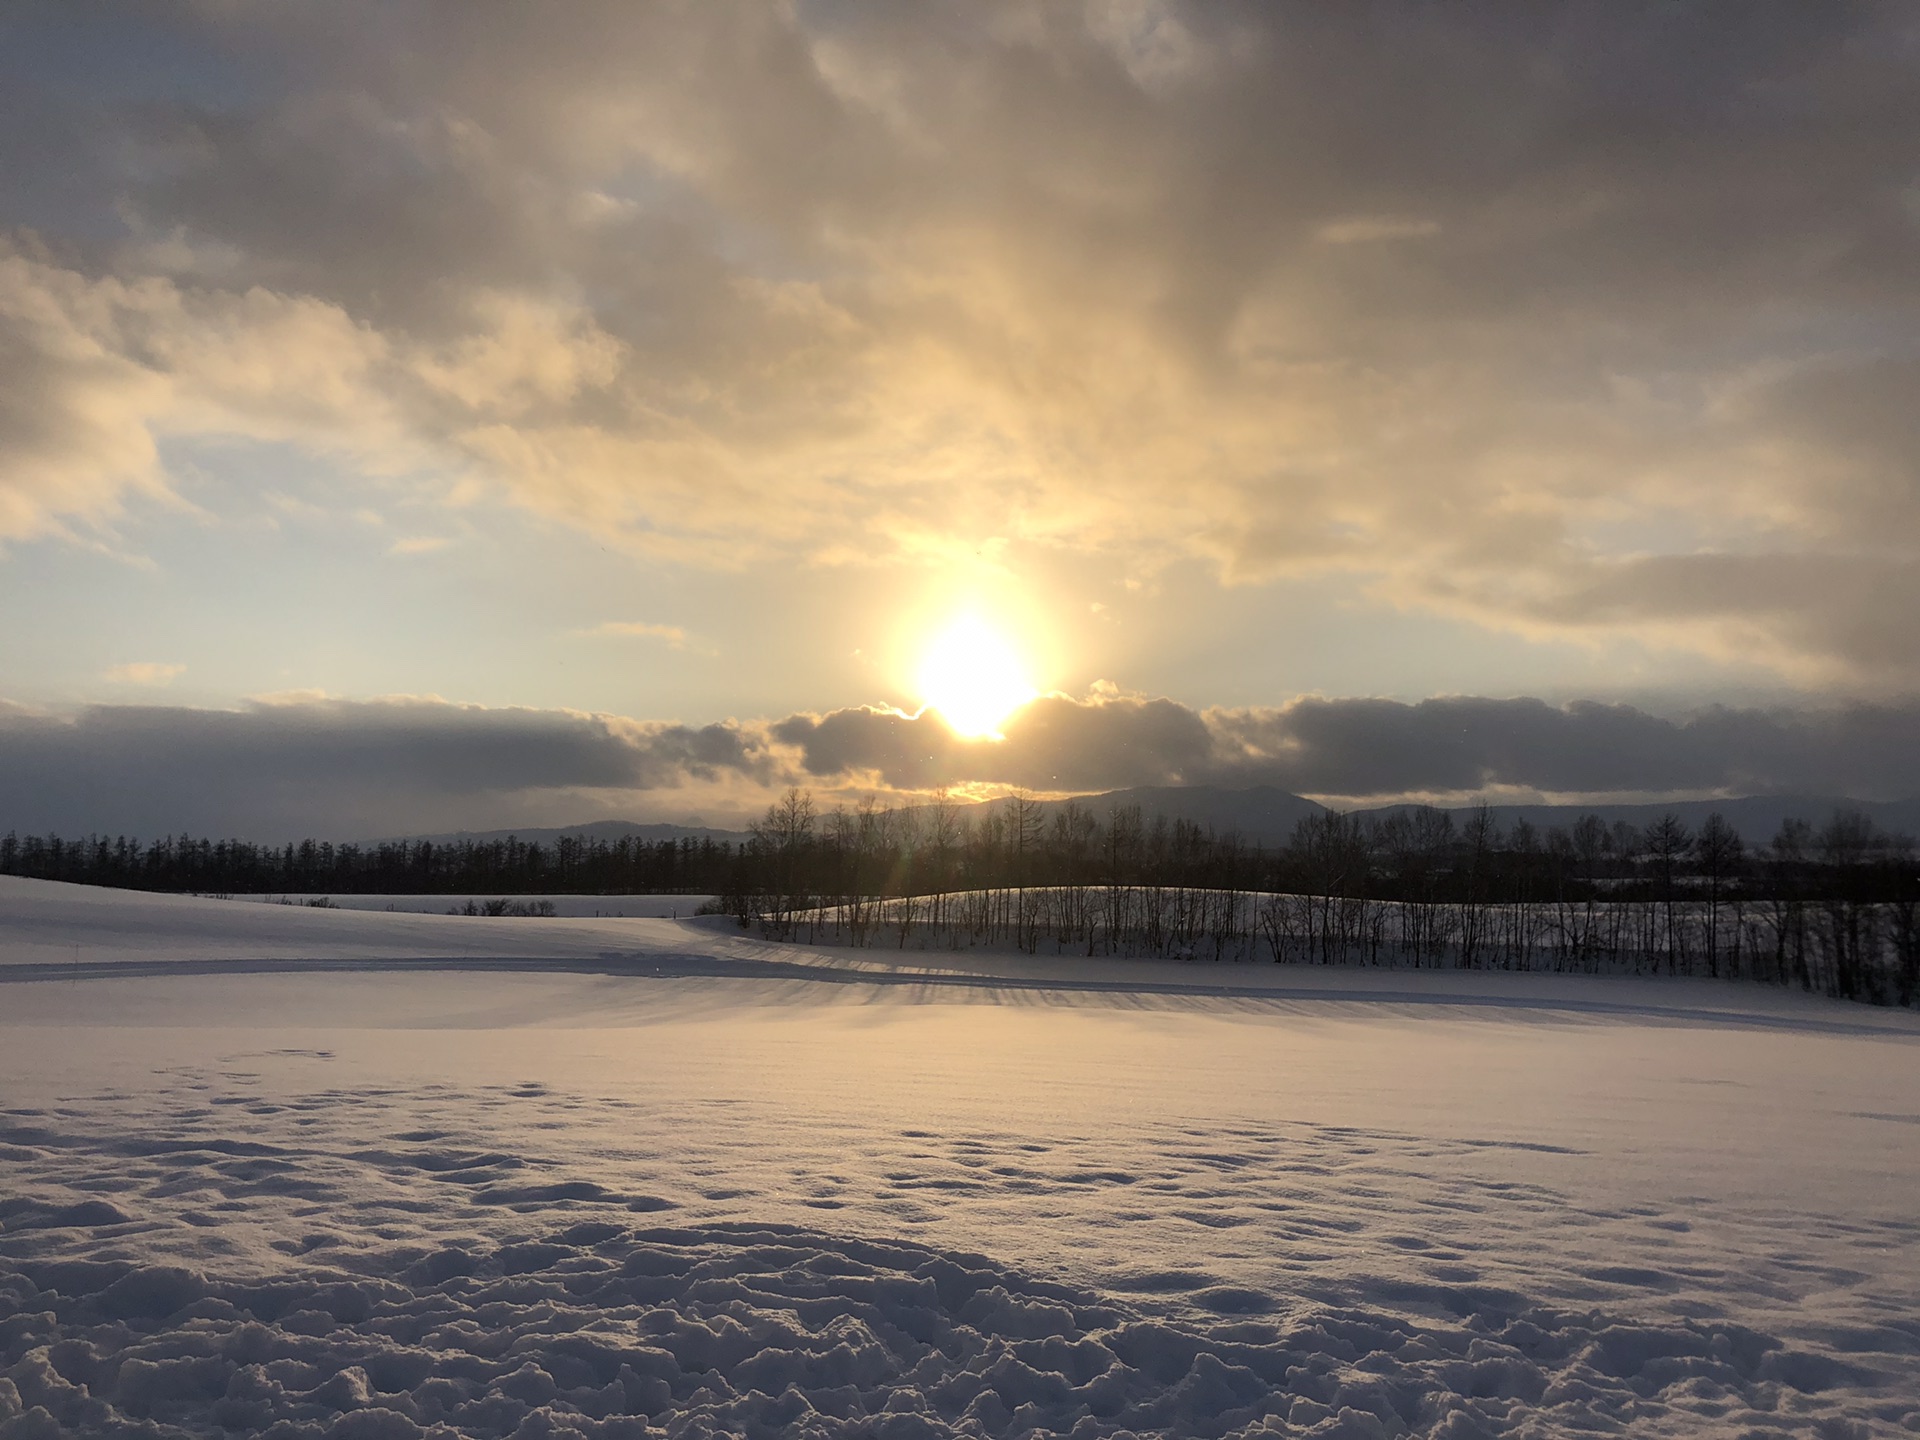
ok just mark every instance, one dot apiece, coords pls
pixel 974 678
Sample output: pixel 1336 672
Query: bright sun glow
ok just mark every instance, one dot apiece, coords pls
pixel 973 677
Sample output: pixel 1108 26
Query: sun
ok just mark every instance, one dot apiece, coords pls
pixel 974 678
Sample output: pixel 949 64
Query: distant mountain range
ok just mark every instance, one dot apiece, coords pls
pixel 1263 815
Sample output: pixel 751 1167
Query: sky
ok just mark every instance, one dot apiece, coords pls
pixel 418 416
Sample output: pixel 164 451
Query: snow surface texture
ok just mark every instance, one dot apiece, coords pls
pixel 428 1199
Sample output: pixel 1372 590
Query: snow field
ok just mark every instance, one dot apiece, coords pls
pixel 367 1203
pixel 605 1330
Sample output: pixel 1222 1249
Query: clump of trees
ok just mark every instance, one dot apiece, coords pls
pixel 1834 910
pixel 522 909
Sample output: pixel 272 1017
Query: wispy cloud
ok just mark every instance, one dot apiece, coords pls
pixel 419 545
pixel 1370 229
pixel 675 637
pixel 145 672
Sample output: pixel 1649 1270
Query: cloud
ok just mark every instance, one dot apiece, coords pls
pixel 95 370
pixel 419 545
pixel 302 764
pixel 73 437
pixel 1054 743
pixel 144 672
pixel 1579 323
pixel 305 764
pixel 1368 229
pixel 1368 749
pixel 675 637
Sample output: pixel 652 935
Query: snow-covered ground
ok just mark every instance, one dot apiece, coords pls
pixel 368 1174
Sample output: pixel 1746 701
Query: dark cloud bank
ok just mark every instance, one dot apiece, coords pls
pixel 348 768
pixel 342 768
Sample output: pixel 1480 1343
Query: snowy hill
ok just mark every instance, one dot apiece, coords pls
pixel 324 1173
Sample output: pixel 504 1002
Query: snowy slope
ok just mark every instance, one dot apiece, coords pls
pixel 435 1174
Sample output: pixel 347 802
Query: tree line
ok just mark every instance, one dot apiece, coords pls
pixel 571 865
pixel 1833 909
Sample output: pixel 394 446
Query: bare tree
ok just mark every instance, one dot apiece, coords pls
pixel 943 839
pixel 787 833
pixel 1847 842
pixel 1668 841
pixel 1903 915
pixel 1480 836
pixel 1591 847
pixel 1785 866
pixel 1719 852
